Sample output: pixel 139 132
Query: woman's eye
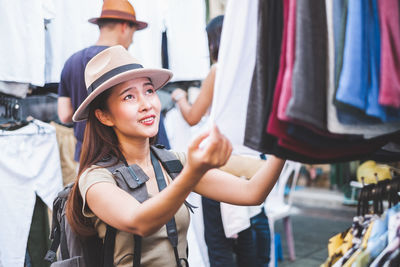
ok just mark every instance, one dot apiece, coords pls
pixel 128 97
pixel 150 91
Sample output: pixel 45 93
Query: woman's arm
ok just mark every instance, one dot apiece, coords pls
pixel 120 210
pixel 225 187
pixel 117 208
pixel 193 113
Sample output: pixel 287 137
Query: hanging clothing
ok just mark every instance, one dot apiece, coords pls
pixel 286 90
pixel 185 23
pixel 308 81
pixel 269 37
pixel 22 49
pixel 198 255
pixel 336 14
pixel 216 7
pixel 389 90
pixel 14 88
pixel 164 50
pixel 185 20
pixel 38 240
pixel 288 9
pixel 334 125
pixel 355 64
pixel 180 134
pixel 34 146
pixel 69 32
pixel 236 60
pixel 359 81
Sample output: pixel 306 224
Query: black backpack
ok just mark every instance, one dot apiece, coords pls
pixel 92 251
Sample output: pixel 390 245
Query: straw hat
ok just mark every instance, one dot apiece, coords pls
pixel 110 67
pixel 119 9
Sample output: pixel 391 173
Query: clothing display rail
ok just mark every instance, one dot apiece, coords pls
pixel 374 236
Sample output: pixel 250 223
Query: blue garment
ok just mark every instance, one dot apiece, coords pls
pixel 221 249
pixel 378 238
pixel 72 85
pixel 353 78
pixel 393 217
pixel 27 262
pixel 359 79
pixel 373 108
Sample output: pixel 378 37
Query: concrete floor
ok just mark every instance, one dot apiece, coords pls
pixel 312 228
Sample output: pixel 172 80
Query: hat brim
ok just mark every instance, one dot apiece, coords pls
pixel 159 77
pixel 140 25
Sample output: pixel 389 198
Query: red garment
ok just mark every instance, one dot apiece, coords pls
pixel 276 127
pixel 389 18
pixel 286 92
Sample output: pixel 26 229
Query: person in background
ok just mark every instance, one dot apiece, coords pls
pixel 252 245
pixel 122 112
pixel 117 24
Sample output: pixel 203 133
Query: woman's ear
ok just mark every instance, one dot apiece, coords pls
pixel 103 117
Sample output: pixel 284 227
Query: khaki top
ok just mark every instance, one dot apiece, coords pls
pixel 156 248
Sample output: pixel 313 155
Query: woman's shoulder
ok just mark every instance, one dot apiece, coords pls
pixel 94 174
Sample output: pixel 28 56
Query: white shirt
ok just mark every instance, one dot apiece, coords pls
pixel 184 21
pixel 22 49
pixel 29 166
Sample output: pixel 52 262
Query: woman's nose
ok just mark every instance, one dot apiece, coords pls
pixel 144 103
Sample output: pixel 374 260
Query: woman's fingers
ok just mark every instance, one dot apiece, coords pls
pixel 197 141
pixel 214 154
pixel 218 148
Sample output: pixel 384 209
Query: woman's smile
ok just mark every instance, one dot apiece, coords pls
pixel 148 120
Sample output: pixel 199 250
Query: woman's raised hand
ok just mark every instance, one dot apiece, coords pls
pixel 178 94
pixel 214 153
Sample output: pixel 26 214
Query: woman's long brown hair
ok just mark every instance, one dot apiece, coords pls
pixel 99 141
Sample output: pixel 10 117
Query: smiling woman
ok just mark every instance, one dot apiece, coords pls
pixel 122 112
pixel 133 109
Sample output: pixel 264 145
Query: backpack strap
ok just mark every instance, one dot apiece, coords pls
pixel 171 224
pixel 169 161
pixel 137 253
pixel 57 230
pixel 63 245
pixel 109 245
pixel 132 179
pixel 171 164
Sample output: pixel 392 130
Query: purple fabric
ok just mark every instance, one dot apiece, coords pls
pixel 389 94
pixel 72 85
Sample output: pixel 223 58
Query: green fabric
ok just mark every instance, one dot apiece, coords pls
pixel 207 11
pixel 38 240
pixel 340 48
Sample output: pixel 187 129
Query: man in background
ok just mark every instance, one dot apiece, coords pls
pixel 117 24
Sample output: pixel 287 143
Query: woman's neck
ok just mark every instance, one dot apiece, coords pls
pixel 137 152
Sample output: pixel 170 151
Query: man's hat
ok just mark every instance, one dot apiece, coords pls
pixel 110 67
pixel 119 9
